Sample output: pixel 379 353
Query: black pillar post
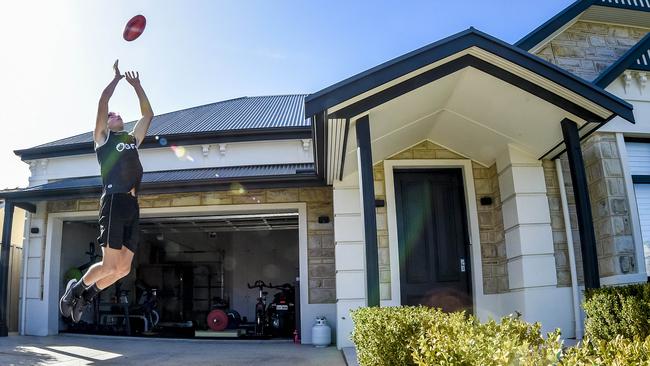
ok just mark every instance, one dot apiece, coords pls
pixel 4 266
pixel 583 204
pixel 369 213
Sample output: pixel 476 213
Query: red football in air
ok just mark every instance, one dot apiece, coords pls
pixel 134 27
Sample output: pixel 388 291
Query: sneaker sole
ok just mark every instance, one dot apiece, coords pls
pixel 80 314
pixel 67 289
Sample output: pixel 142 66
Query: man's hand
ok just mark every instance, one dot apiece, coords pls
pixel 133 78
pixel 116 68
pixel 141 127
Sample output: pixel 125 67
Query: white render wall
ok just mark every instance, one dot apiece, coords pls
pixel 637 93
pixel 350 255
pixel 193 156
pixel 36 304
pixel 529 245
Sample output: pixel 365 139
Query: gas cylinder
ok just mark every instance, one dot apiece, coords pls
pixel 321 333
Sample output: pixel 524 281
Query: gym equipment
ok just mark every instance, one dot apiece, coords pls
pixel 146 307
pixel 278 319
pixel 134 28
pixel 221 317
pixel 77 272
pixel 116 318
pixel 217 320
pixel 261 321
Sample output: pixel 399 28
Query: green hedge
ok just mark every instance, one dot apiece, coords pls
pixel 618 311
pixel 424 336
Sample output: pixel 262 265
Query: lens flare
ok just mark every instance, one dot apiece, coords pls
pixel 237 188
pixel 181 153
pixel 162 141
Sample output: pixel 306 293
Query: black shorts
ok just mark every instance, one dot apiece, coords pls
pixel 119 215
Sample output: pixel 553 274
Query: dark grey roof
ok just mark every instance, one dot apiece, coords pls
pixel 626 4
pixel 643 62
pixel 636 58
pixel 172 179
pixel 391 70
pixel 245 113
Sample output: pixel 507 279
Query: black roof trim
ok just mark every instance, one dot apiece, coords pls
pixel 266 134
pixel 571 12
pixel 540 33
pixel 627 61
pixel 91 186
pixel 417 59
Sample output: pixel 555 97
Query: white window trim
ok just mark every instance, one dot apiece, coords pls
pixel 479 299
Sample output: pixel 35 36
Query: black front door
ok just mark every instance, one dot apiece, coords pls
pixel 433 239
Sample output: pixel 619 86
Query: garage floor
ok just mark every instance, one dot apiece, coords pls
pixel 96 350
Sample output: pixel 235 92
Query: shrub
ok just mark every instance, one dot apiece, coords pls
pixel 619 351
pixel 465 341
pixel 426 336
pixel 618 311
pixel 381 335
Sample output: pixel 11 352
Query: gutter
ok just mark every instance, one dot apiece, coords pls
pixel 272 181
pixel 572 257
pixel 262 134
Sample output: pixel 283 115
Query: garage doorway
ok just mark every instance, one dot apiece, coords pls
pixel 194 265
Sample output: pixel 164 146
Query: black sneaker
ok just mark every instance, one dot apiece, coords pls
pixel 67 302
pixel 78 309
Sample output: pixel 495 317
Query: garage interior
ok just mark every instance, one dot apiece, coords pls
pixel 190 277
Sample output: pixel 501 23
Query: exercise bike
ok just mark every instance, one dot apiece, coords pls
pixel 146 307
pixel 261 320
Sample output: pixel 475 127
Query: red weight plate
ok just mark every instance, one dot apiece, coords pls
pixel 217 320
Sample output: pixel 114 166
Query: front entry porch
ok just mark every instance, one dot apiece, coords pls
pixel 475 104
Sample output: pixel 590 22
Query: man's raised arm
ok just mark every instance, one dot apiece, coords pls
pixel 101 124
pixel 141 127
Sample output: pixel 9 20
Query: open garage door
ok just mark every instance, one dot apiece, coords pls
pixel 191 275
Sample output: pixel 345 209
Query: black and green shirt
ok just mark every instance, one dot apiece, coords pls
pixel 119 163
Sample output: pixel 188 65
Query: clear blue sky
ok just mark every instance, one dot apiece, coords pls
pixel 57 55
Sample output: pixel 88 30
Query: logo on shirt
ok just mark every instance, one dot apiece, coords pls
pixel 122 146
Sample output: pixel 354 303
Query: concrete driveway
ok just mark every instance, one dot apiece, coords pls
pixel 86 350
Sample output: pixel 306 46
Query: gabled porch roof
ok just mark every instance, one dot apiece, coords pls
pixel 470 92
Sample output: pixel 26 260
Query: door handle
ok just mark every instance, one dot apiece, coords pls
pixel 462 264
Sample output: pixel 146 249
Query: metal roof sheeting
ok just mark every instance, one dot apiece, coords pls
pixel 203 175
pixel 626 12
pixel 628 4
pixel 643 62
pixel 245 113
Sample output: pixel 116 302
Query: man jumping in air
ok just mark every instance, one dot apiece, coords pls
pixel 117 153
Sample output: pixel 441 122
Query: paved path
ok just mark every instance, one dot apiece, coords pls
pixel 71 350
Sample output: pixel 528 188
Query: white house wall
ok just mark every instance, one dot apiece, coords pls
pixel 350 255
pixel 168 158
pixel 634 92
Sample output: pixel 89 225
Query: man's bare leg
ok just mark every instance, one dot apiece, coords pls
pixel 107 267
pixel 123 268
